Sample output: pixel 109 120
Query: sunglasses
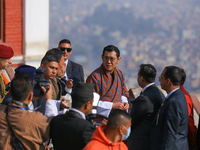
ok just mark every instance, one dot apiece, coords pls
pixel 63 49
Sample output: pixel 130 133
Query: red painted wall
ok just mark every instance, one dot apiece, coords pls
pixel 13 25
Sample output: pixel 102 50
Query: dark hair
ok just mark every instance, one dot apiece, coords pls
pixel 49 58
pixel 174 74
pixel 183 76
pixel 118 117
pixel 64 41
pixel 79 101
pixel 111 48
pixel 21 86
pixel 148 72
pixel 56 53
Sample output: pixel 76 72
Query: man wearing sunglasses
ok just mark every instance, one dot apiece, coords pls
pixel 73 70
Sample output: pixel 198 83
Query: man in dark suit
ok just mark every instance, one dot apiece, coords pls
pixel 71 130
pixel 144 108
pixel 170 127
pixel 74 71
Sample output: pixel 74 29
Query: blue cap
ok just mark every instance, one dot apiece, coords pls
pixel 27 69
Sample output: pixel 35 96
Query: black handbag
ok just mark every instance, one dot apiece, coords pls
pixel 15 142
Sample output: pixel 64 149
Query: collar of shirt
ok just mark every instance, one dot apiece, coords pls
pixel 147 86
pixel 78 111
pixel 170 93
pixel 66 62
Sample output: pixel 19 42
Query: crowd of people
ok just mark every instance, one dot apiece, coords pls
pixel 33 106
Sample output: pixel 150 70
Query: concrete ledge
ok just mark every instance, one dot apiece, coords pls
pixel 196 103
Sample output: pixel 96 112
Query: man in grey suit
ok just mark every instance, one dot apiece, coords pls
pixel 144 108
pixel 74 71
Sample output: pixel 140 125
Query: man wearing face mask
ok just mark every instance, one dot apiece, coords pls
pixel 110 136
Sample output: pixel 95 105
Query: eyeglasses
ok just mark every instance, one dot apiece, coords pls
pixel 112 59
pixel 63 49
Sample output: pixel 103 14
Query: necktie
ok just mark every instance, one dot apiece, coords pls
pixel 64 79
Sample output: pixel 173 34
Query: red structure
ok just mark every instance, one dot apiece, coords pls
pixel 11 31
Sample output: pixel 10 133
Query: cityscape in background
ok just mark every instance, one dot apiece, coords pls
pixel 160 32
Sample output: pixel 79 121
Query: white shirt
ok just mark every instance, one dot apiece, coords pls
pixel 66 62
pixel 104 107
pixel 53 108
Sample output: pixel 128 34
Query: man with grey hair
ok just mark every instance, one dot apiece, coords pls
pixel 5 60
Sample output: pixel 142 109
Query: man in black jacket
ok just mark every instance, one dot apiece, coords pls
pixel 71 130
pixel 144 108
pixel 73 70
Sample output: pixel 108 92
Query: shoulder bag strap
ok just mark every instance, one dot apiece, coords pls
pixel 15 142
pixel 6 110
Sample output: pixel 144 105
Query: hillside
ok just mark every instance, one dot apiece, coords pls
pixel 163 33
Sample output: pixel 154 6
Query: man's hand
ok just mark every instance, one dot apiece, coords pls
pixel 63 104
pixel 69 83
pixel 47 147
pixel 118 105
pixel 49 93
pixel 126 105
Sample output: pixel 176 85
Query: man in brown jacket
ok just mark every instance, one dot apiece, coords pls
pixel 31 128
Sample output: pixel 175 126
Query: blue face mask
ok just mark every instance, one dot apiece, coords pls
pixel 124 137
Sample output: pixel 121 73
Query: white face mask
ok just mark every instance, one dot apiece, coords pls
pixel 124 137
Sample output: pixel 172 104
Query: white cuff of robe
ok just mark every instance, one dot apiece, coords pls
pixel 69 90
pixel 124 100
pixel 52 108
pixel 103 107
pixel 95 102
